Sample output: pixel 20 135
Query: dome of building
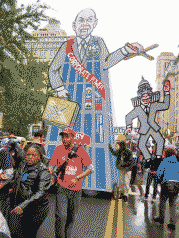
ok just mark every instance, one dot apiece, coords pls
pixel 143 86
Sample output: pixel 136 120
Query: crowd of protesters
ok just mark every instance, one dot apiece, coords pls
pixel 132 165
pixel 26 177
pixel 26 174
pixel 24 180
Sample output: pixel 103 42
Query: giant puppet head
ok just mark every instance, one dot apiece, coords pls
pixel 85 22
pixel 144 92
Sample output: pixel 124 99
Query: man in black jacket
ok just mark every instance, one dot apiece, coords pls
pixel 124 163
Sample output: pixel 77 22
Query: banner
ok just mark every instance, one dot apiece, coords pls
pixel 91 78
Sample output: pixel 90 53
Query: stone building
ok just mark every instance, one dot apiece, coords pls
pixel 49 39
pixel 168 119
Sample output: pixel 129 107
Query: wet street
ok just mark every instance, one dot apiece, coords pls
pixel 138 219
pixel 102 216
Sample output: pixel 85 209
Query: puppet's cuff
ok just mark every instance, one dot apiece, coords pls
pixel 166 93
pixel 124 51
pixel 60 88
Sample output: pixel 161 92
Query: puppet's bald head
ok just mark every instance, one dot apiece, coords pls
pixel 85 22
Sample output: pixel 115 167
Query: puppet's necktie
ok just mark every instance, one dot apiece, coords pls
pixel 147 110
pixel 83 49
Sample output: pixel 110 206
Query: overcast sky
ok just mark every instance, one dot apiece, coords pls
pixel 147 22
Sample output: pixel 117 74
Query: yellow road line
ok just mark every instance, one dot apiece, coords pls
pixel 109 225
pixel 120 218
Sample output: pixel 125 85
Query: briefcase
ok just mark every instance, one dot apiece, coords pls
pixel 61 112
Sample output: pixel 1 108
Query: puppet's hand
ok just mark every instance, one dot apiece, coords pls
pixel 136 47
pixel 63 93
pixel 166 86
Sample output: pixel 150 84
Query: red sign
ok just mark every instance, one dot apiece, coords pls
pixel 82 138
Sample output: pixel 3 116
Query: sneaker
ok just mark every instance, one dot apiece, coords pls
pixel 159 220
pixel 171 227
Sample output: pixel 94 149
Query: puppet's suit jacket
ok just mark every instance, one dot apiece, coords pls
pixel 147 122
pixel 148 126
pixel 106 60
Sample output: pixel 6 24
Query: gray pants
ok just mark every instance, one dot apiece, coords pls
pixel 66 208
pixel 156 135
pixel 169 190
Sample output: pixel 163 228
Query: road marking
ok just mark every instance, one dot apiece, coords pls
pixel 109 226
pixel 115 219
pixel 120 217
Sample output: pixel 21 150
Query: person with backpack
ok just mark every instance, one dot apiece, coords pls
pixel 68 163
pixel 168 174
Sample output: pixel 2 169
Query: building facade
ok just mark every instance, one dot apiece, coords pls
pixel 49 39
pixel 168 119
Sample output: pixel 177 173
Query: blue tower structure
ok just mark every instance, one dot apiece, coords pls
pixel 94 119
